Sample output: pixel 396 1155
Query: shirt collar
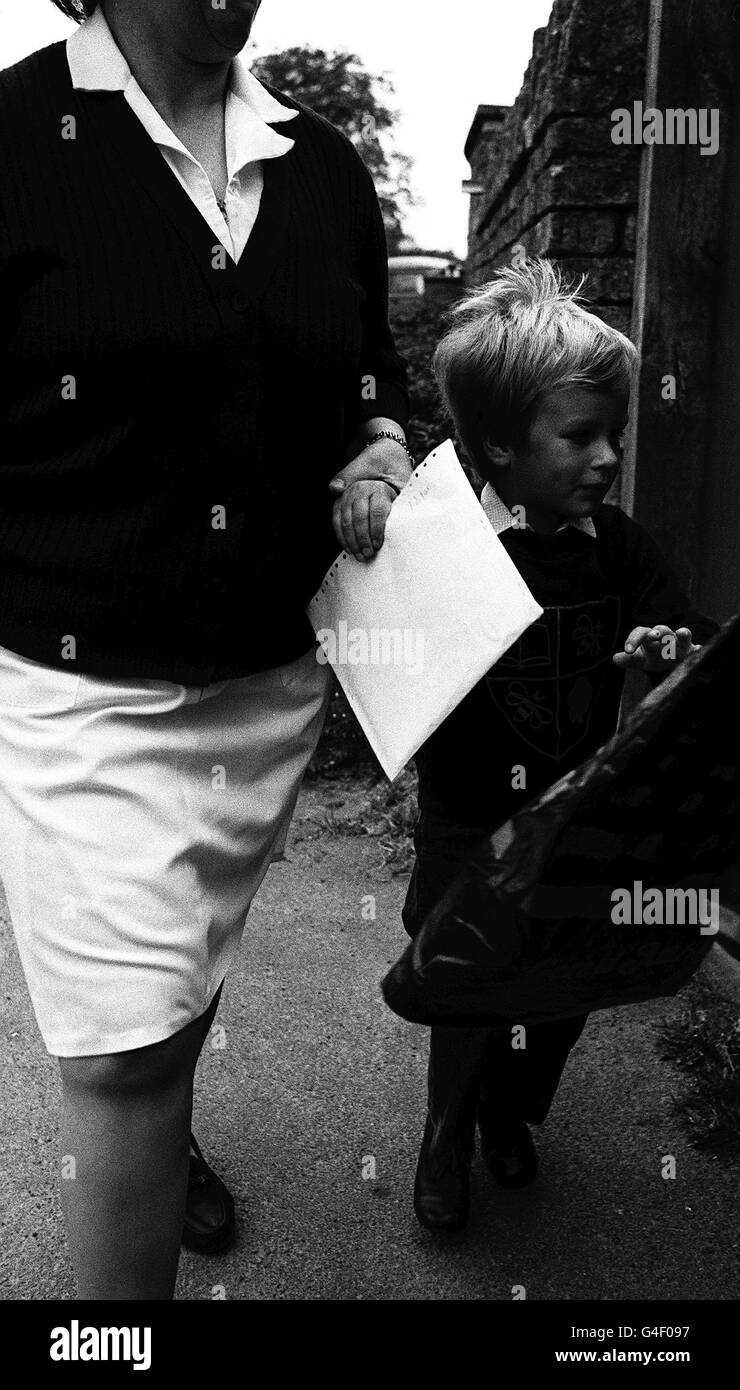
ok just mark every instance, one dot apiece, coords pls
pixel 501 518
pixel 96 63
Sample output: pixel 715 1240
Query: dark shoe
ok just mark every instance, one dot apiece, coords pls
pixel 507 1148
pixel 442 1184
pixel 209 1212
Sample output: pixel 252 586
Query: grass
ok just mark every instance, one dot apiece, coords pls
pixel 390 813
pixel 343 750
pixel 704 1042
pixel 386 811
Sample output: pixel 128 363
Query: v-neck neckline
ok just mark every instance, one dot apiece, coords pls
pixel 111 116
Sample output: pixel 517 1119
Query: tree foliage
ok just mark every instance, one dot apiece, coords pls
pixel 418 325
pixel 337 86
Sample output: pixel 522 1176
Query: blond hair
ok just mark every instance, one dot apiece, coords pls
pixel 515 338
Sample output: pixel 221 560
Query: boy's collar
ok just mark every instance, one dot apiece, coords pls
pixel 501 518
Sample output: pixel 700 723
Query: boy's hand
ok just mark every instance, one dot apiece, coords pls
pixel 360 514
pixel 656 649
pixel 365 490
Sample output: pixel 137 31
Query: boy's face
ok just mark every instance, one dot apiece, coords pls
pixel 570 458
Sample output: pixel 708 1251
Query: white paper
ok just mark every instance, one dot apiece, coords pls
pixel 410 632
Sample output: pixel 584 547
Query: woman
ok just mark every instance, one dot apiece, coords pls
pixel 196 340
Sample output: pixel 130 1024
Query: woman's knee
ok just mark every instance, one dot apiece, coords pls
pixel 164 1066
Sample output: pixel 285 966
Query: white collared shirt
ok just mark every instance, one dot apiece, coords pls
pixel 96 63
pixel 501 518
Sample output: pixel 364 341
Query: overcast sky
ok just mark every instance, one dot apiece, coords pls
pixel 443 60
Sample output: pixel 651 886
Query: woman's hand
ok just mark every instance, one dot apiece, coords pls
pixel 656 649
pixel 364 493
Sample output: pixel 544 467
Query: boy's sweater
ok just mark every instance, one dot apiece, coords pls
pixel 553 698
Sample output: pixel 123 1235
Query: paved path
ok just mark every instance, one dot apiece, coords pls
pixel 317 1076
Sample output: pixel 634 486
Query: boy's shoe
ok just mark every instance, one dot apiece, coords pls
pixel 507 1148
pixel 209 1214
pixel 442 1183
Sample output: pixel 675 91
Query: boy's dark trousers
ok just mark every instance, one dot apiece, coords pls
pixel 472 1069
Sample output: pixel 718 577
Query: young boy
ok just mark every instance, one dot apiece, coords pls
pixel 539 390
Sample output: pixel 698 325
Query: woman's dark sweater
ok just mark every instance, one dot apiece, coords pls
pixel 148 381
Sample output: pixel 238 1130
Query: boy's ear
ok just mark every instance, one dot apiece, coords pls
pixel 500 455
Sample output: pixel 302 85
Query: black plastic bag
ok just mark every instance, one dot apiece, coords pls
pixel 527 932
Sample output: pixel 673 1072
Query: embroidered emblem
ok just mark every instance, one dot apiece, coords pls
pixel 548 685
pixel 529 706
pixel 587 636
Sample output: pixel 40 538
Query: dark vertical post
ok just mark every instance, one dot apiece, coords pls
pixel 719 582
pixel 677 280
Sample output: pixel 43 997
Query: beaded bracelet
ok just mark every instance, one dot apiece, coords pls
pixel 389 434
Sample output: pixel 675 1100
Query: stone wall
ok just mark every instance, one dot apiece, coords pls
pixel 551 179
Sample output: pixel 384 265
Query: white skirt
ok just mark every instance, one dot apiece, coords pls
pixel 137 821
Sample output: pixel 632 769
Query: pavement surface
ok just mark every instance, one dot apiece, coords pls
pixel 314 1085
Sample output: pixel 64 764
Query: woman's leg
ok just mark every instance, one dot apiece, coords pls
pixel 126 1124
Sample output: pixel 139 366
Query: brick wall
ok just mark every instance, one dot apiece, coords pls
pixel 551 178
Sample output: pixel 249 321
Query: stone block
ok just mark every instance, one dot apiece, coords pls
pixel 575 230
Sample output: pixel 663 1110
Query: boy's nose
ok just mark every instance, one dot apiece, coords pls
pixel 607 457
